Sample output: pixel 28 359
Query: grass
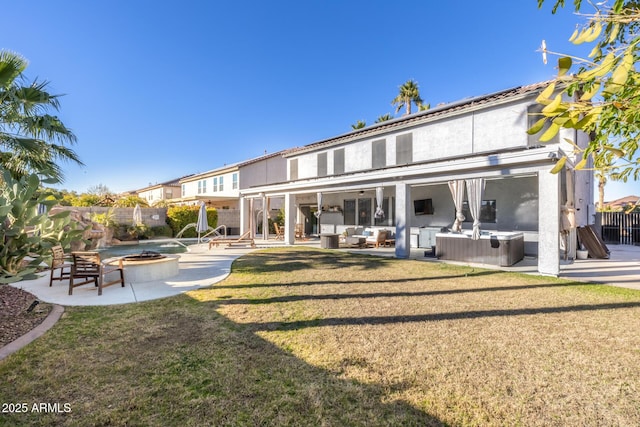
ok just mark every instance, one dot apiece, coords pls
pixel 312 337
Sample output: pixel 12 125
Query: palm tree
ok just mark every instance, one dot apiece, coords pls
pixel 384 118
pixel 358 125
pixel 31 140
pixel 409 93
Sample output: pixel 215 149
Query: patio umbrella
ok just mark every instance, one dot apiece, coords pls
pixel 457 192
pixel 202 226
pixel 137 215
pixel 475 188
pixel 379 196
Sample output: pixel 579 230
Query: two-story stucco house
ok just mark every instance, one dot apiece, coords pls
pixel 220 188
pixel 164 191
pixel 416 174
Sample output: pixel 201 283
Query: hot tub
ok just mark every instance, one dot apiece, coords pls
pixel 503 248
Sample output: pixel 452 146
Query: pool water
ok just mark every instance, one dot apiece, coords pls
pixel 168 247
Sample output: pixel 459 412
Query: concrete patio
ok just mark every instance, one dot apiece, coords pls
pixel 201 267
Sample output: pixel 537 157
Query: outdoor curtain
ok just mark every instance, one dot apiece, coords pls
pixel 379 197
pixel 475 189
pixel 319 211
pixel 457 192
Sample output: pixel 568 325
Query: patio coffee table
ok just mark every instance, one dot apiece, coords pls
pixel 355 241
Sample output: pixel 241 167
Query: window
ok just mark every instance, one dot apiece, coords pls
pixel 234 181
pixel 184 190
pixel 379 154
pixel 322 164
pixel 215 184
pixel 202 186
pixel 534 113
pixel 487 211
pixel 404 149
pixel 338 161
pixel 364 212
pixel 221 187
pixel 168 194
pixel 293 169
pixel 349 212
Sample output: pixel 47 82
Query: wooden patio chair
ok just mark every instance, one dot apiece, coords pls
pixel 58 265
pixel 379 240
pixel 279 232
pixel 299 233
pixel 88 267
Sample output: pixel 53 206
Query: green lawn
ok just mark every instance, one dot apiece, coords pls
pixel 322 338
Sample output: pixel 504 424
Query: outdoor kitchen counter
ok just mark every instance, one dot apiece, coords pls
pixel 495 248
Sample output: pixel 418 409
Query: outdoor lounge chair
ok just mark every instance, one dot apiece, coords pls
pixel 378 239
pixel 58 265
pixel 88 267
pixel 242 240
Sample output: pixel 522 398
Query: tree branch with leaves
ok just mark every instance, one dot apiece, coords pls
pixel 31 139
pixel 600 94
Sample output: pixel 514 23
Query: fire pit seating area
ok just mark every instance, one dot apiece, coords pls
pixel 147 266
pixel 369 236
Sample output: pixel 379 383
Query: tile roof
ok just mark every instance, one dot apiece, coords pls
pixel 462 105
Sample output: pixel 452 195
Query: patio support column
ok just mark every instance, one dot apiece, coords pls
pixel 548 223
pixel 403 220
pixel 265 218
pixel 252 225
pixel 289 218
pixel 243 215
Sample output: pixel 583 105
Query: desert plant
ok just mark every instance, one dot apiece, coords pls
pixel 27 235
pixel 140 231
pixel 107 219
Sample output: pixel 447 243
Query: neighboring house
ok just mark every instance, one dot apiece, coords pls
pixel 220 188
pixel 622 203
pixel 407 163
pixel 166 191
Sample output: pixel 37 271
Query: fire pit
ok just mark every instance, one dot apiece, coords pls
pixel 148 266
pixel 144 256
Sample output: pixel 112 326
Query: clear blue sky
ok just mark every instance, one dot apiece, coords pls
pixel 155 90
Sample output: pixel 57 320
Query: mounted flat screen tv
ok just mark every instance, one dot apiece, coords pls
pixel 423 207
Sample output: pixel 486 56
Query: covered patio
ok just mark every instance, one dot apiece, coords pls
pixel 418 204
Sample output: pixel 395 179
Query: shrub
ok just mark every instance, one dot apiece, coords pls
pixel 131 202
pixel 178 217
pixel 162 231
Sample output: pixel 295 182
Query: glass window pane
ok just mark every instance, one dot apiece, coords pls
pixel 364 212
pixel 349 212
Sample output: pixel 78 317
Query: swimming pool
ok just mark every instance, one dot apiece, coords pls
pixel 162 246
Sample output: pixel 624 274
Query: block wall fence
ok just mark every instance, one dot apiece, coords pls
pixel 151 217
